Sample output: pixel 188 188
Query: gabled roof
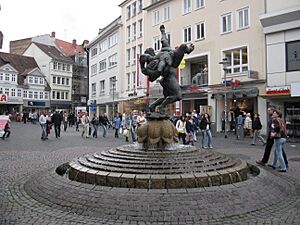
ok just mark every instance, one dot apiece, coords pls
pixel 53 52
pixel 69 49
pixel 19 62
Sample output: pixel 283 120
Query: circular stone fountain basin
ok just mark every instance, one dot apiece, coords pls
pixel 184 167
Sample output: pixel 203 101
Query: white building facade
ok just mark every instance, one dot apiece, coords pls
pixel 281 26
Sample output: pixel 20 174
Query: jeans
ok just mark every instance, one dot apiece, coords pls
pixel 57 130
pixel 258 135
pixel 65 126
pixel 104 129
pixel 133 134
pixel 95 126
pixel 268 148
pixel 279 142
pixel 240 132
pixel 44 132
pixel 206 133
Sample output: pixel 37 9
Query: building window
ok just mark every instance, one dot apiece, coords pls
pixel 112 84
pixel 128 81
pixel 226 23
pixel 41 95
pixel 30 80
pixel 64 67
pixel 59 66
pixel 156 18
pixel 237 60
pixel 58 95
pixel 6 91
pixel 133 55
pixel 112 40
pixel 62 95
pixel 24 94
pixel 46 95
pixel 187 6
pixel 140 6
pixel 102 65
pixel 13 77
pixel 200 32
pixel 68 68
pixel 156 43
pixel 103 46
pixel 35 95
pixel 94 51
pixel 243 18
pixel 133 31
pixel 13 92
pixel 102 87
pixel 41 80
pixel 112 60
pixel 55 65
pixel 166 15
pixel 128 34
pixel 67 81
pixel 199 4
pixel 128 57
pixel 140 27
pixel 58 80
pixel 94 69
pixel 293 56
pixel 1 76
pixel 30 94
pixel 128 12
pixel 140 49
pixel 36 80
pixel 93 89
pixel 63 81
pixel 19 92
pixel 133 9
pixel 67 95
pixel 6 77
pixel 133 80
pixel 53 94
pixel 187 34
pixel 54 80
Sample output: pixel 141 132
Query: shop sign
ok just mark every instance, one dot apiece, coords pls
pixel 283 90
pixel 295 89
pixel 3 98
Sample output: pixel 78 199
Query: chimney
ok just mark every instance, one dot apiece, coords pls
pixel 53 34
pixel 74 42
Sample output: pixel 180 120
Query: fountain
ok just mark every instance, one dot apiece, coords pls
pixel 158 162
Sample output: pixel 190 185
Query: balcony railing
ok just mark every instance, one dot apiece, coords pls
pixel 200 79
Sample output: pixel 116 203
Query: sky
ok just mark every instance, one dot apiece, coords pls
pixel 70 19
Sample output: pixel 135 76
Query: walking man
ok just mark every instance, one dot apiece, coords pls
pixel 43 123
pixel 56 120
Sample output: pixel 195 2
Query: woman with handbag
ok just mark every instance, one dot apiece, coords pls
pixel 181 129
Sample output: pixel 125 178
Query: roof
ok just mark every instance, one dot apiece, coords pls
pixel 19 62
pixel 53 52
pixel 69 49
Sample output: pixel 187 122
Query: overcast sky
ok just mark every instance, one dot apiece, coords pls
pixel 70 19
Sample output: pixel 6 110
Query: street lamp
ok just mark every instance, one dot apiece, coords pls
pixel 225 63
pixel 113 83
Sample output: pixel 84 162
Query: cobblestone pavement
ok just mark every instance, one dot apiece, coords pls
pixel 32 193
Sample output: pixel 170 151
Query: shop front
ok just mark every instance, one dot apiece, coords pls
pixel 36 106
pixel 61 105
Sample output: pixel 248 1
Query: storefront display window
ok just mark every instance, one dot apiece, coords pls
pixel 292 118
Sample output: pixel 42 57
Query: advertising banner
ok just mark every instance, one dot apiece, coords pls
pixel 3 98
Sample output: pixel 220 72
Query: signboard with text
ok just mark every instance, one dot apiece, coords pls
pixel 282 90
pixel 3 98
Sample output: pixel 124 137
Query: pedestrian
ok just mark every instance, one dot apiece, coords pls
pixel 86 125
pixel 95 123
pixel 65 119
pixel 56 121
pixel 181 129
pixel 117 124
pixel 104 122
pixel 43 123
pixel 278 132
pixel 240 125
pixel 270 141
pixel 205 126
pixel 77 122
pixel 141 119
pixel 256 130
pixel 190 128
pixel 6 129
pixel 248 125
